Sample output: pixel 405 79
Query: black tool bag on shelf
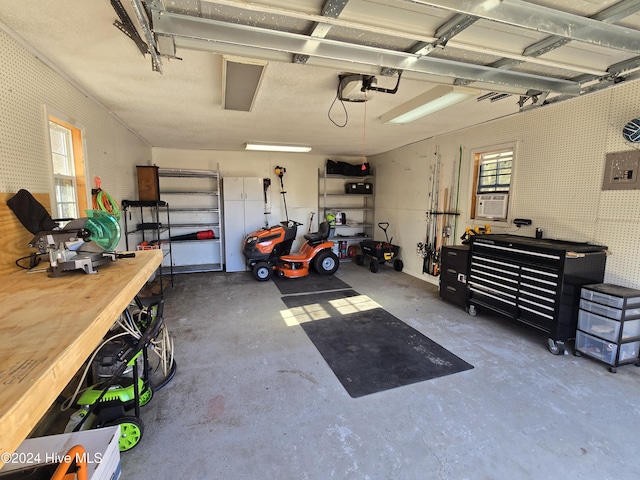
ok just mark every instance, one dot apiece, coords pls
pixel 359 187
pixel 347 169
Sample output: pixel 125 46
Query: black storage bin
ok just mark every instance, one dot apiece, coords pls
pixel 358 187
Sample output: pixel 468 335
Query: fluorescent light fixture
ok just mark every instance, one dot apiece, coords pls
pixel 436 99
pixel 277 148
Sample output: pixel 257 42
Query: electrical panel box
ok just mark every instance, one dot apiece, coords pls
pixel 621 171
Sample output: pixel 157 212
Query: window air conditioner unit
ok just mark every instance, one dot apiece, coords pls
pixel 492 206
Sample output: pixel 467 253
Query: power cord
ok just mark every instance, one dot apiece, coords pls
pixel 34 260
pixel 346 113
pixel 105 202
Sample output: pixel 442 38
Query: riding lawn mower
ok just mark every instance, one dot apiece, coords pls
pixel 269 249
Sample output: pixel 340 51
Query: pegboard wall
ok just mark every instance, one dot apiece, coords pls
pixel 28 88
pixel 557 177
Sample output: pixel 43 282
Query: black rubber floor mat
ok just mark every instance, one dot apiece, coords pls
pixel 368 349
pixel 313 282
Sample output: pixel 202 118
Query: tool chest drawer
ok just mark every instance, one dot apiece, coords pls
pixel 454 293
pixel 455 256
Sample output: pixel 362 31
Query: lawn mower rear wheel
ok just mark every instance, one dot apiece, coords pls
pixel 326 262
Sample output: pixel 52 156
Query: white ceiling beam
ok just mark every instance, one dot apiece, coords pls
pixel 252 7
pixel 617 11
pixel 543 19
pixel 609 15
pixel 444 33
pixel 333 9
pixel 213 31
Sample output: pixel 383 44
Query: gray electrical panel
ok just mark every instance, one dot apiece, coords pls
pixel 621 171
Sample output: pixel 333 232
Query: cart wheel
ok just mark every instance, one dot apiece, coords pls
pixel 145 395
pixel 360 260
pixel 326 262
pixel 577 353
pixel 262 271
pixel 373 265
pixel 472 310
pixel 613 369
pixel 398 265
pixel 131 430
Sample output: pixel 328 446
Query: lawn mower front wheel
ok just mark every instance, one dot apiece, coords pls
pixel 262 271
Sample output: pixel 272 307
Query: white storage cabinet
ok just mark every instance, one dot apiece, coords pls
pixel 243 199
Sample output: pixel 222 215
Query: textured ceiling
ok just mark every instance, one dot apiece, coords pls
pixel 182 106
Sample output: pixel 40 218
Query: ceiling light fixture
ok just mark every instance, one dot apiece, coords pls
pixel 277 148
pixel 241 79
pixel 436 99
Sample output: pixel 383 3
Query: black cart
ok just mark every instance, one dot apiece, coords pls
pixel 380 252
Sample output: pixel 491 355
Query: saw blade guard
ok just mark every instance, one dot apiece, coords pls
pixel 104 228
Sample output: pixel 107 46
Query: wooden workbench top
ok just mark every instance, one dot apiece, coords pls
pixel 48 329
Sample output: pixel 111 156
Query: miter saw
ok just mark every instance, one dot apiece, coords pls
pixel 82 244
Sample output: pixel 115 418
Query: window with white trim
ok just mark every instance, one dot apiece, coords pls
pixel 64 176
pixel 494 174
pixel 67 159
pixel 493 168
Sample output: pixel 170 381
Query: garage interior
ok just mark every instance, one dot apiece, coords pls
pixel 185 85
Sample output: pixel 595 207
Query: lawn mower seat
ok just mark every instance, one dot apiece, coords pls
pixel 321 235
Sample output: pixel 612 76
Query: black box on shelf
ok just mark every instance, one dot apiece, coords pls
pixel 358 187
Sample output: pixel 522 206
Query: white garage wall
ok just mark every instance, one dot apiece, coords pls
pixel 29 87
pixel 558 172
pixel 300 180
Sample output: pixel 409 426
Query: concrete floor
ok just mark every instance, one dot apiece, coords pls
pixel 253 398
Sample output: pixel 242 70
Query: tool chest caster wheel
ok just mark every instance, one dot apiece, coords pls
pixel 556 346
